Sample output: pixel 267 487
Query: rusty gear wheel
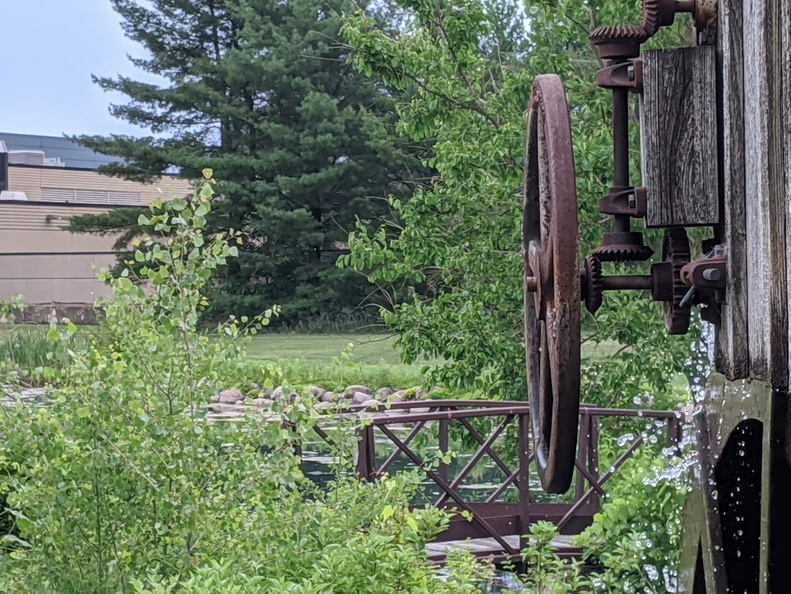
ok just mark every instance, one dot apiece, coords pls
pixel 623 247
pixel 675 250
pixel 551 260
pixel 616 43
pixel 624 42
pixel 658 13
pixel 593 284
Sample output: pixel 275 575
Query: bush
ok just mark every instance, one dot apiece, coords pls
pixel 636 539
pixel 122 485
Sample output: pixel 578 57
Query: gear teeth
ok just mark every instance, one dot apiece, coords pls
pixel 656 13
pixel 651 17
pixel 610 34
pixel 676 250
pixel 623 253
pixel 594 289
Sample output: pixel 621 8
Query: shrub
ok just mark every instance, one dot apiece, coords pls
pixel 122 485
pixel 636 539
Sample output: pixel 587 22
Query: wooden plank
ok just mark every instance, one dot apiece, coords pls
pixel 732 348
pixel 786 103
pixel 679 134
pixel 765 190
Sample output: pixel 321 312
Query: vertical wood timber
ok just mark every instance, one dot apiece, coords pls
pixel 679 137
pixel 765 193
pixel 732 348
pixel 785 7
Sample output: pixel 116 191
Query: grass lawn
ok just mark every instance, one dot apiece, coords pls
pixel 368 348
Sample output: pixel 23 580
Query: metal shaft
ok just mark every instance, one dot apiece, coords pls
pixel 627 283
pixel 620 130
pixel 637 282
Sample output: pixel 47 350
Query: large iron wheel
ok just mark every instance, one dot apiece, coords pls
pixel 552 283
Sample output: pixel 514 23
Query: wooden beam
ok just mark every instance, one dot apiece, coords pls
pixel 732 340
pixel 679 137
pixel 786 106
pixel 765 191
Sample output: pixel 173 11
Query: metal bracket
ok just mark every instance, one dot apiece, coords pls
pixel 709 273
pixel 622 75
pixel 632 202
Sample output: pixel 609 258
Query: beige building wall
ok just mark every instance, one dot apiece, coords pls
pixel 43 262
pixel 58 183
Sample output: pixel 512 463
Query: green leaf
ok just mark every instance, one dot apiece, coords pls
pixel 410 520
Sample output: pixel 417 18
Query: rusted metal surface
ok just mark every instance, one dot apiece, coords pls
pixel 621 75
pixel 552 313
pixel 494 519
pixel 708 273
pixel 631 202
pixel 675 251
pixel 625 42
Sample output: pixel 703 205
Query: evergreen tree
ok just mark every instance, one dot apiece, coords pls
pixel 260 92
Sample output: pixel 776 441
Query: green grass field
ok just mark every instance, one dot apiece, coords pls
pixel 368 348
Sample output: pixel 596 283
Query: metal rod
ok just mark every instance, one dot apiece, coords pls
pixel 620 133
pixel 418 461
pixel 582 452
pixel 635 282
pixel 593 458
pixel 443 448
pixel 474 460
pixel 524 479
pixel 627 282
pixel 481 441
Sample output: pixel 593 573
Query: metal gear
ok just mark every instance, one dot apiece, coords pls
pixel 623 247
pixel 658 13
pixel 618 43
pixel 625 42
pixel 675 250
pixel 593 287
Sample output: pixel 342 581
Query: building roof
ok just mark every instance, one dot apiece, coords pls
pixel 69 153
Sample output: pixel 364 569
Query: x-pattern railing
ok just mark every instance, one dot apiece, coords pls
pixel 492 518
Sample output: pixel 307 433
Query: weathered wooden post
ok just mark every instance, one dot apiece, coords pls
pixel 738 519
pixel 716 145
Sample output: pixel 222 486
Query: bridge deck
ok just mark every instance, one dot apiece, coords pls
pixel 489 547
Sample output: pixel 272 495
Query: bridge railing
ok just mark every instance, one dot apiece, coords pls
pixel 502 522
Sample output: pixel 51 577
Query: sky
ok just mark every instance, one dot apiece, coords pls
pixel 50 50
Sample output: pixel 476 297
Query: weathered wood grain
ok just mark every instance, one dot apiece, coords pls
pixel 679 137
pixel 765 193
pixel 786 106
pixel 732 348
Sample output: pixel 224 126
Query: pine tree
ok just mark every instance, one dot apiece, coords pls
pixel 260 92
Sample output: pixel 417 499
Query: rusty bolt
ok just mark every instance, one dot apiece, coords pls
pixel 712 275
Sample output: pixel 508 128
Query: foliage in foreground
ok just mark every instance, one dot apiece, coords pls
pixel 121 484
pixel 636 539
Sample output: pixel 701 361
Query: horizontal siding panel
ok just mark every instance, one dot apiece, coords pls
pixel 49 267
pixel 54 291
pixel 31 180
pixel 18 216
pixel 49 242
